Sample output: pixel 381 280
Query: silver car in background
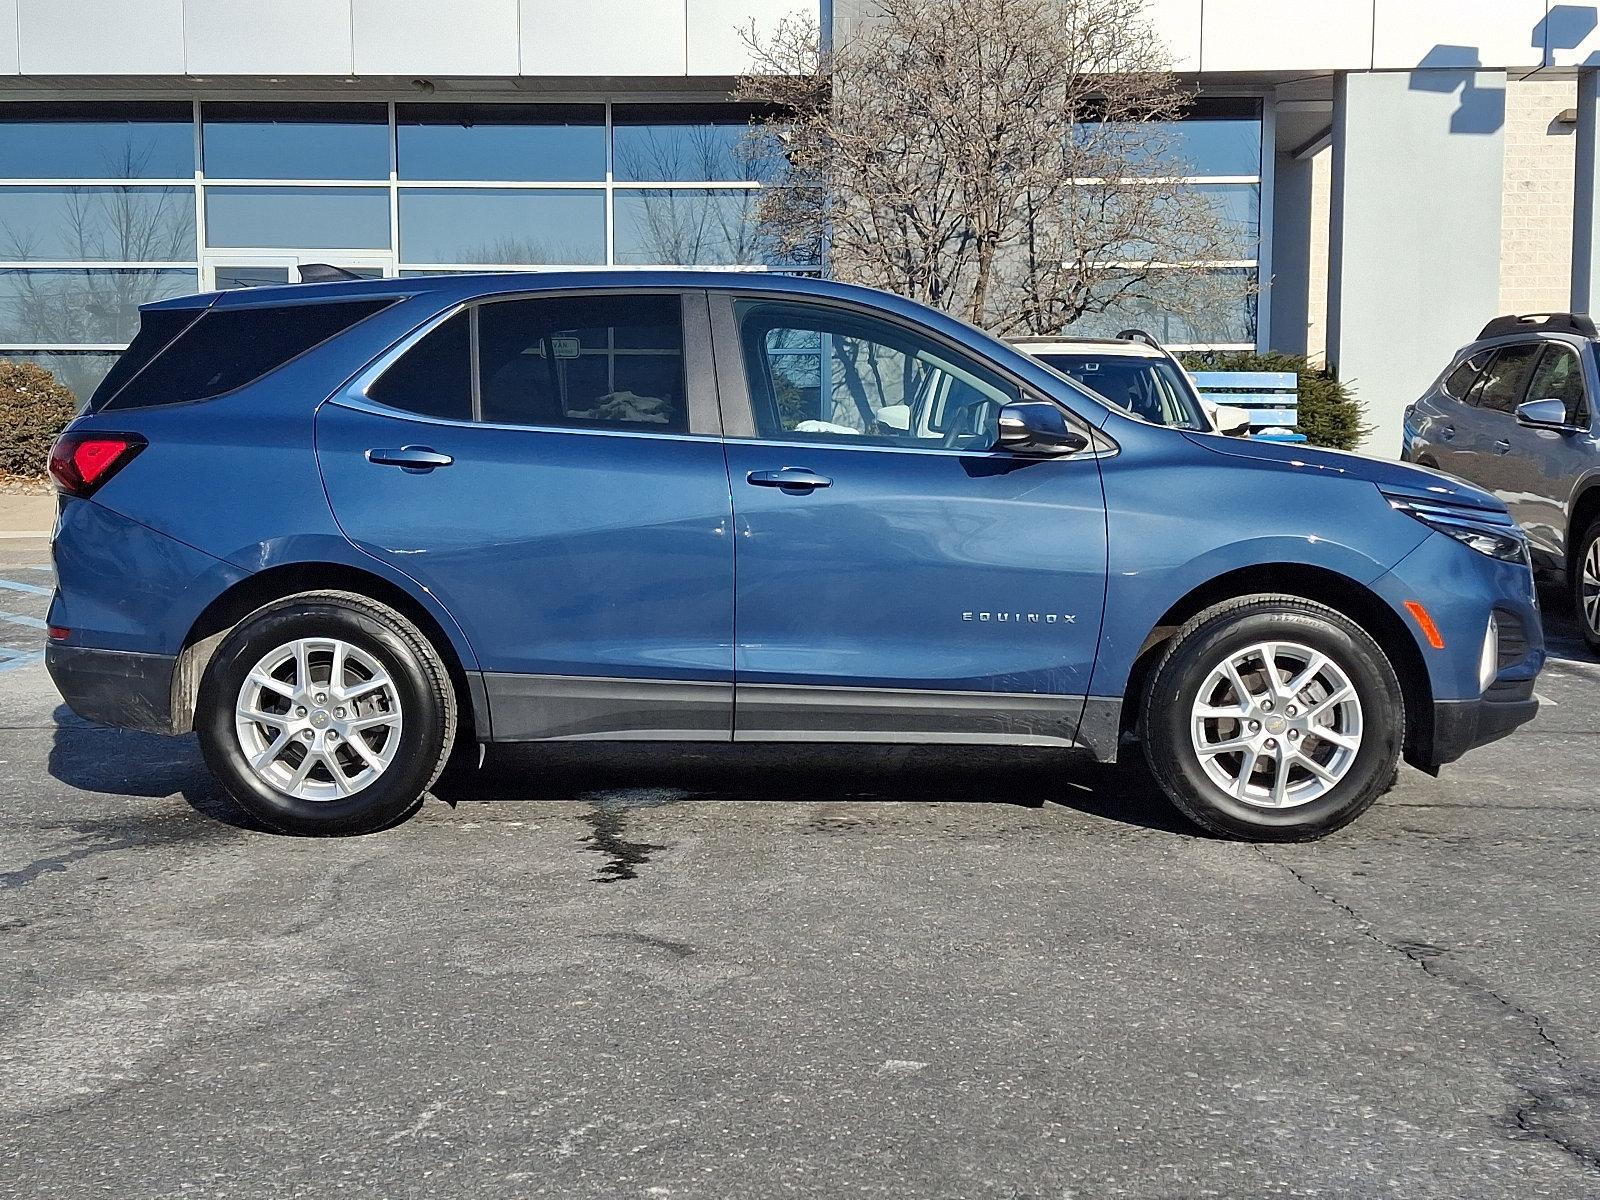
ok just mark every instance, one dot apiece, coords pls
pixel 1514 413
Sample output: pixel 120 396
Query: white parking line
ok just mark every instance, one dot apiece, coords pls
pixel 19 619
pixel 13 661
pixel 31 589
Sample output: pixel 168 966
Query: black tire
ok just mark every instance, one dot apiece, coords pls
pixel 421 684
pixel 1228 628
pixel 1580 554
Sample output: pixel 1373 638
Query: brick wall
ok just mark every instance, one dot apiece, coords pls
pixel 1536 217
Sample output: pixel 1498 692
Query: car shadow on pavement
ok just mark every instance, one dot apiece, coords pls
pixel 1018 776
pixel 95 758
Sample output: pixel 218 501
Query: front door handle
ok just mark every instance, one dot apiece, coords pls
pixel 1447 434
pixel 412 458
pixel 1503 446
pixel 789 477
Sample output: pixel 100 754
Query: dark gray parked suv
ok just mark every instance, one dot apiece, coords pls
pixel 1514 413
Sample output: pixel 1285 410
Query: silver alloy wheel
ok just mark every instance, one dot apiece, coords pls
pixel 1276 725
pixel 1591 586
pixel 318 719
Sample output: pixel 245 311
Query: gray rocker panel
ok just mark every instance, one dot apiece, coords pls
pixel 530 708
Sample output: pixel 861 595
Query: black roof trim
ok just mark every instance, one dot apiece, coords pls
pixel 1578 323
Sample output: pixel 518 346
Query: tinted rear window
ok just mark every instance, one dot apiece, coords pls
pixel 228 348
pixel 156 332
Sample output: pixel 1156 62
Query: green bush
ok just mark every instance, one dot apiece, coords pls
pixel 35 407
pixel 1330 415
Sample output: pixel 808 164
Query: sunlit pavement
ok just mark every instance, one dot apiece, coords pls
pixel 673 972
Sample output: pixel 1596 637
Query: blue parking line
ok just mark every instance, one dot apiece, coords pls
pixel 21 660
pixel 19 619
pixel 31 589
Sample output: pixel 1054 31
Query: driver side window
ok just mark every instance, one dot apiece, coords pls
pixel 820 374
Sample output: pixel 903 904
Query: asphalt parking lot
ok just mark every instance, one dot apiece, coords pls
pixel 726 973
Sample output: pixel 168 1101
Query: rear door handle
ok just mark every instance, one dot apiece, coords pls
pixel 789 477
pixel 1503 446
pixel 1447 434
pixel 413 458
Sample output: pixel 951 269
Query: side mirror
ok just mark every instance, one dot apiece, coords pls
pixel 1037 427
pixel 1544 414
pixel 1234 422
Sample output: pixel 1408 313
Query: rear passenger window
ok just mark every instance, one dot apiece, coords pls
pixel 1506 378
pixel 434 377
pixel 228 348
pixel 584 362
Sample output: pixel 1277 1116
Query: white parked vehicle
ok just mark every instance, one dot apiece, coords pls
pixel 1135 373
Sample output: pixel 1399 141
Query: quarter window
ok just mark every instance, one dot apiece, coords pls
pixel 1459 382
pixel 434 377
pixel 1505 379
pixel 819 374
pixel 1559 376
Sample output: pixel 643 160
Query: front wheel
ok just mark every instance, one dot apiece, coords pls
pixel 1584 573
pixel 1273 718
pixel 326 713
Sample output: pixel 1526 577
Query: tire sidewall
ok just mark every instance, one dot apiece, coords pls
pixel 1382 717
pixel 386 799
pixel 1591 636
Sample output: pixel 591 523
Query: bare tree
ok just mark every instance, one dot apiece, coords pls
pixel 1009 161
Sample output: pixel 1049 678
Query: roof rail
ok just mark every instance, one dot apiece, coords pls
pixel 324 273
pixel 1138 335
pixel 1578 323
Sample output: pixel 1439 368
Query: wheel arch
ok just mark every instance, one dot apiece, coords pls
pixel 254 591
pixel 1355 600
pixel 1584 508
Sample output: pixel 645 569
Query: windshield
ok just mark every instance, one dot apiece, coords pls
pixel 1151 388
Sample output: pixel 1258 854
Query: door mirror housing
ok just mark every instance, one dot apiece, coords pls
pixel 1231 421
pixel 1037 427
pixel 1544 414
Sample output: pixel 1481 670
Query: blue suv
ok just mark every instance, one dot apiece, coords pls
pixel 339 529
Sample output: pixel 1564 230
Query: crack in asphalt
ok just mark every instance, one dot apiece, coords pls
pixel 1424 955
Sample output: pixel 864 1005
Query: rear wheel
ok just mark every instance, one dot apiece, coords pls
pixel 1273 718
pixel 1584 573
pixel 326 713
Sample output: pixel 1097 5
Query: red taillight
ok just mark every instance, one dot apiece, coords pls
pixel 81 462
pixel 59 633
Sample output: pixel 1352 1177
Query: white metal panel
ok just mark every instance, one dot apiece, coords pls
pixel 1457 33
pixel 1178 23
pixel 426 37
pixel 100 37
pixel 715 45
pixel 590 37
pixel 1286 35
pixel 8 37
pixel 285 37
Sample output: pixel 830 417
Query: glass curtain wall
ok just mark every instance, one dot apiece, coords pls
pixel 108 205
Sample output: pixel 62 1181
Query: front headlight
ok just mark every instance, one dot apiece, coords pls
pixel 1491 533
